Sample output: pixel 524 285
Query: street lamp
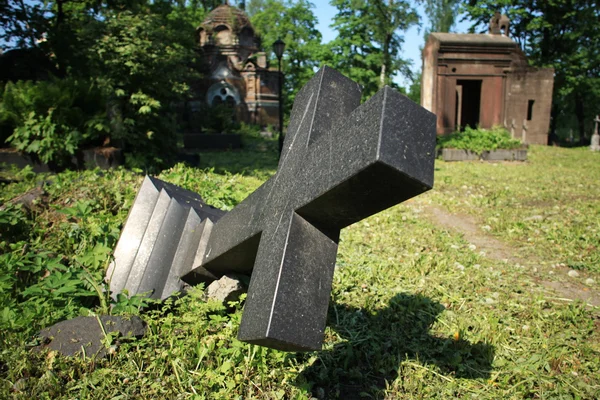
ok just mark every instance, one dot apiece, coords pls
pixel 278 48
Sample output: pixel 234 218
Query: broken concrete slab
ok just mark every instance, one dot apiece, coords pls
pixel 84 336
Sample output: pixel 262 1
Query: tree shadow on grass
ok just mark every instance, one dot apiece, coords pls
pixel 239 162
pixel 378 343
pixel 259 157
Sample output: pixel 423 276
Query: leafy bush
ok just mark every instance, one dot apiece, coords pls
pixel 39 289
pixel 221 118
pixel 49 140
pixel 51 119
pixel 12 226
pixel 479 140
pixel 142 62
pixel 250 130
pixel 132 75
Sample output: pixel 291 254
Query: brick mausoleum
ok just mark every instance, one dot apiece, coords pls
pixel 485 80
pixel 235 70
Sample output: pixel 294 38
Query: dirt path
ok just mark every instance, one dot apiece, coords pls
pixel 555 278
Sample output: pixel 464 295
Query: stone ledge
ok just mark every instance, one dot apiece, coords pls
pixel 104 158
pixel 493 155
pixel 20 160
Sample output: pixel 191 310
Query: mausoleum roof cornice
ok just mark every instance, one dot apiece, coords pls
pixel 472 40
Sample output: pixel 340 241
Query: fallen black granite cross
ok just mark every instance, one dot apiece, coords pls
pixel 341 162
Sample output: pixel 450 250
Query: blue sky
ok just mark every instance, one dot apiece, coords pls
pixel 413 38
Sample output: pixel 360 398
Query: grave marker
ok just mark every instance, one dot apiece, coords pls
pixel 341 162
pixel 595 141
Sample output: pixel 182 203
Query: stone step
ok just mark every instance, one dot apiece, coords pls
pixel 160 240
pixel 131 235
pixel 151 234
pixel 184 256
pixel 158 267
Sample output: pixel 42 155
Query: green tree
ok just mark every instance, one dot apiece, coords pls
pixel 441 14
pixel 138 54
pixel 294 22
pixel 21 23
pixel 414 90
pixel 563 34
pixel 142 61
pixel 254 6
pixel 369 41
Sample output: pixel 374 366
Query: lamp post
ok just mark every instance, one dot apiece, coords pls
pixel 278 48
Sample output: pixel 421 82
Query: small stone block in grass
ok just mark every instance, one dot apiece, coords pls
pixel 85 335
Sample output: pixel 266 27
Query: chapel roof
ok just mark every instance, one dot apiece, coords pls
pixel 225 14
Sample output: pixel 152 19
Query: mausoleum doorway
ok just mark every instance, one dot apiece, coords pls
pixel 468 103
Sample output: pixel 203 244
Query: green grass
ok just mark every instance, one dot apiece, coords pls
pixel 415 312
pixel 549 206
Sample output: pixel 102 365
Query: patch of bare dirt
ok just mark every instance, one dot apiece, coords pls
pixel 496 249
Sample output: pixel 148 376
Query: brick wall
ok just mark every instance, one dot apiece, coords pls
pixel 529 98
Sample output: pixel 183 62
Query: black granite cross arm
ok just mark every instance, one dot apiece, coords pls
pixel 341 163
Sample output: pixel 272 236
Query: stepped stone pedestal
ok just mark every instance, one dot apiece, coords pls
pixel 161 240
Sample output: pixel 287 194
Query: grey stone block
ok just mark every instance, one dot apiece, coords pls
pixel 520 155
pixel 505 155
pixel 19 160
pixel 493 155
pixel 595 142
pixel 459 155
pixel 103 158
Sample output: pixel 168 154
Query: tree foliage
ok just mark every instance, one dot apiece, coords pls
pixel 137 55
pixel 22 22
pixel 142 62
pixel 441 14
pixel 52 118
pixel 294 22
pixel 369 43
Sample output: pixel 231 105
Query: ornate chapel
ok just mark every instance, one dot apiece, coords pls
pixel 235 69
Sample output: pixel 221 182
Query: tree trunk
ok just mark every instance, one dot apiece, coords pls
pixel 552 138
pixel 60 14
pixel 61 48
pixel 386 61
pixel 580 114
pixel 382 74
